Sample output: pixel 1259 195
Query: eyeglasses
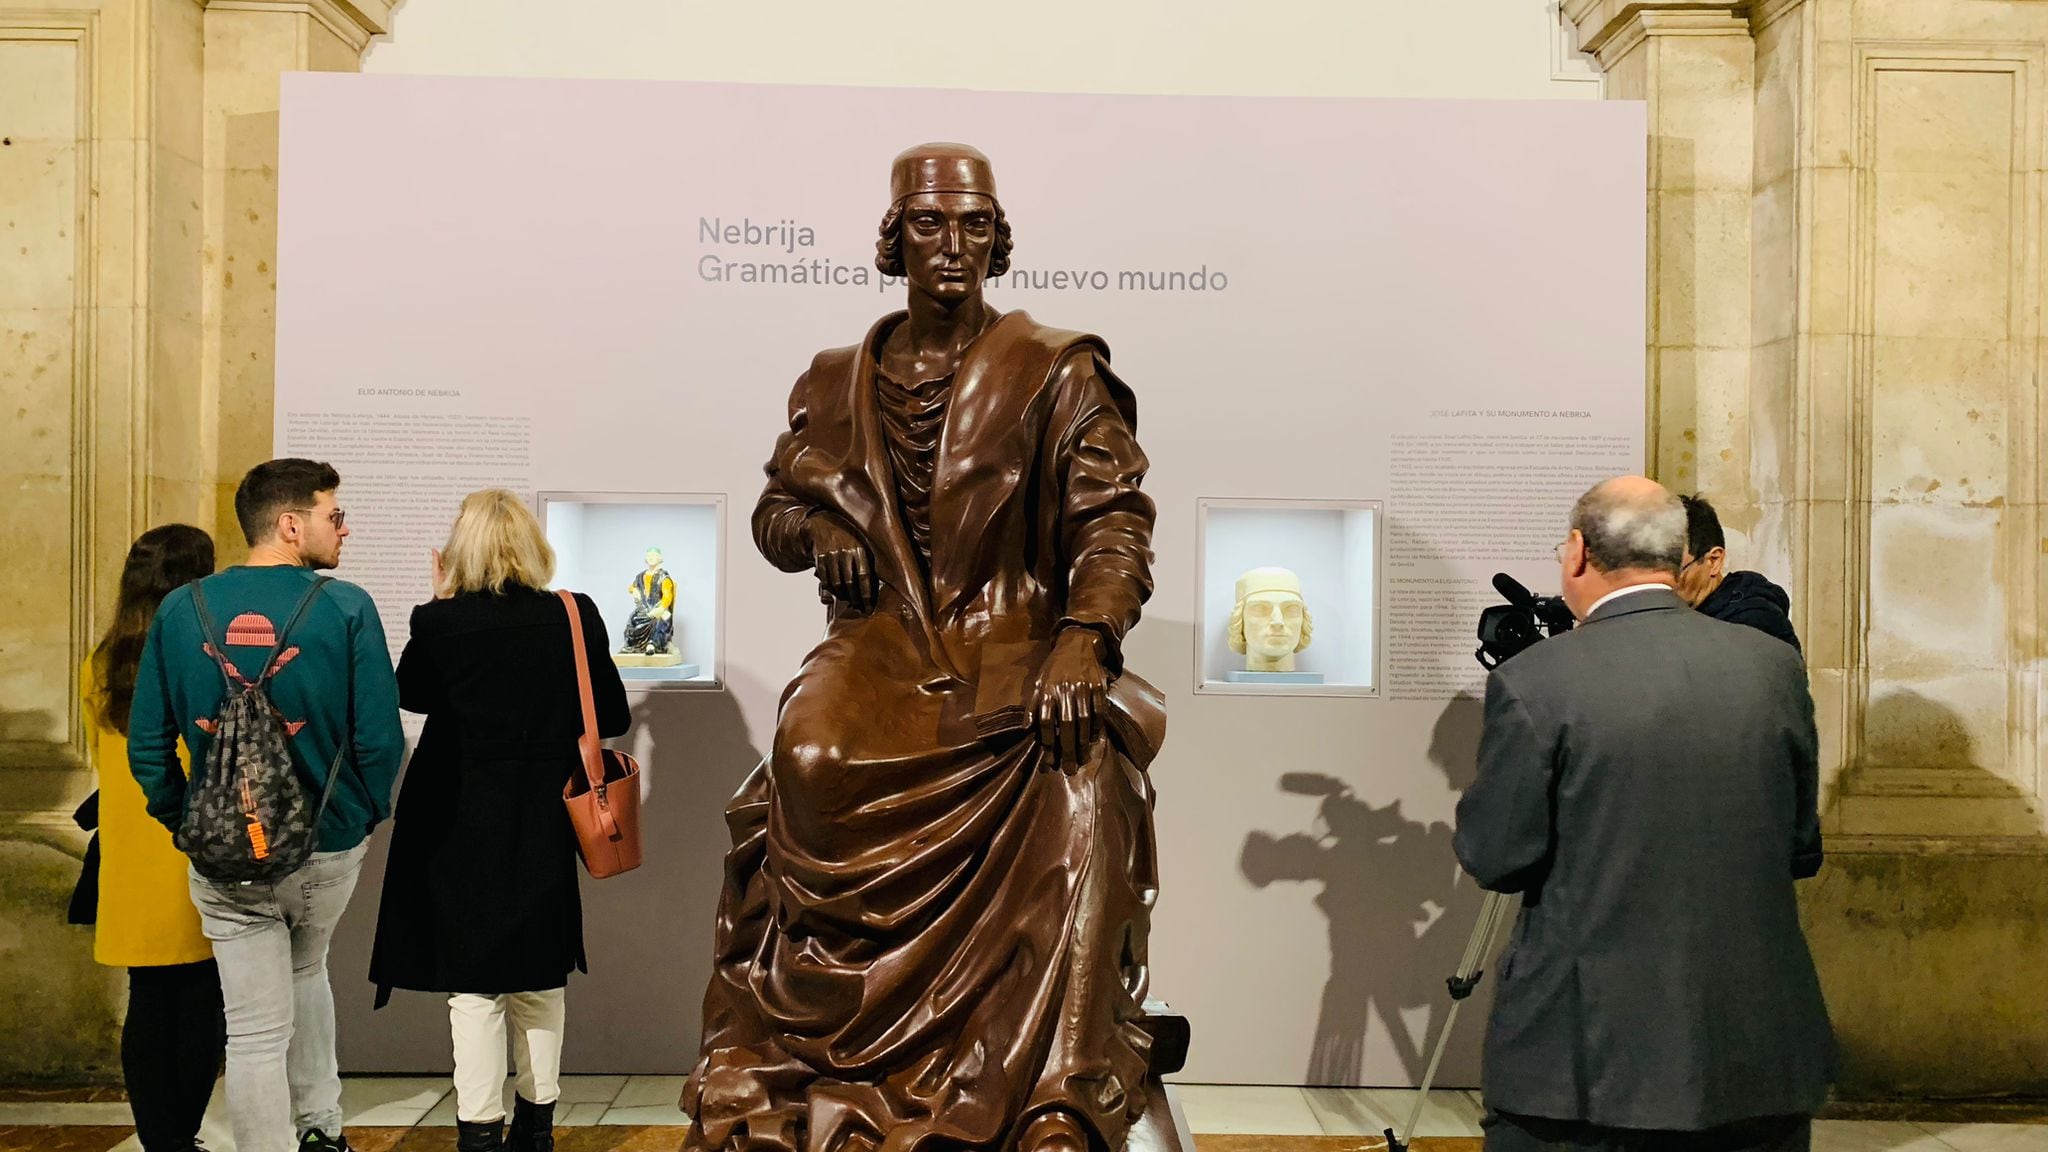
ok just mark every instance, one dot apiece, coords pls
pixel 336 517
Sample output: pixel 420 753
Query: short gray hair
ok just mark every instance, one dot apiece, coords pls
pixel 1631 530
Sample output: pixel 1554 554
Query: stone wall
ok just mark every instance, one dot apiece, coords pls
pixel 1844 351
pixel 138 144
pixel 1845 250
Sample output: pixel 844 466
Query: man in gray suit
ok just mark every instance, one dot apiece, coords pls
pixel 1647 782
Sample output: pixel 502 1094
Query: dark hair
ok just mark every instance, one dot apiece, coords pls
pixel 161 561
pixel 276 485
pixel 1702 526
pixel 1631 534
pixel 889 249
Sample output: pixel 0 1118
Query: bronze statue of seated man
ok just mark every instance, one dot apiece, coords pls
pixel 933 927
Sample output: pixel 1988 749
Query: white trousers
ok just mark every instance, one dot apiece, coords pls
pixel 478 1026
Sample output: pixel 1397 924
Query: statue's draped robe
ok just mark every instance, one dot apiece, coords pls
pixel 929 933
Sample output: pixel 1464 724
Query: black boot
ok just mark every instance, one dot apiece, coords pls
pixel 479 1135
pixel 533 1127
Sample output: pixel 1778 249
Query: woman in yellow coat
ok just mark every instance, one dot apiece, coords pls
pixel 174 1036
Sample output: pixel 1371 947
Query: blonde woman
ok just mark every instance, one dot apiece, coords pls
pixel 480 893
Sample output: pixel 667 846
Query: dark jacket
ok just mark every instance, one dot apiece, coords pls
pixel 480 893
pixel 1750 599
pixel 1649 781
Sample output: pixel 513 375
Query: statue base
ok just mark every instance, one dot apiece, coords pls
pixel 643 660
pixel 670 674
pixel 1163 1127
pixel 1241 676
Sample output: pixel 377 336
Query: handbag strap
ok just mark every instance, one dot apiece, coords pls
pixel 587 744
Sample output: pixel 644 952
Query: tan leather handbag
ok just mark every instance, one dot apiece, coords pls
pixel 603 799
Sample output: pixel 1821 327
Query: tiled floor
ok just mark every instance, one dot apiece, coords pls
pixel 391 1105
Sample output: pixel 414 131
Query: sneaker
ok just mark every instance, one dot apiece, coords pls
pixel 318 1141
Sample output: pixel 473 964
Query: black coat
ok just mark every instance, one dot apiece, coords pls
pixel 480 892
pixel 1649 782
pixel 1750 599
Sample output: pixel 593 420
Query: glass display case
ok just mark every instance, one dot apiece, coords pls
pixel 653 563
pixel 1288 597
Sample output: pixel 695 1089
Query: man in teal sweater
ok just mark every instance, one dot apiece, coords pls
pixel 336 693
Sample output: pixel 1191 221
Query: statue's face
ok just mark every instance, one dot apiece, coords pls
pixel 948 238
pixel 654 559
pixel 1272 624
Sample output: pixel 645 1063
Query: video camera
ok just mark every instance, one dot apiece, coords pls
pixel 1506 629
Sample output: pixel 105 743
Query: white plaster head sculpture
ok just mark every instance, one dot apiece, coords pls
pixel 1270 622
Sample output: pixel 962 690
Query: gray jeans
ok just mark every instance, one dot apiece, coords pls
pixel 270 940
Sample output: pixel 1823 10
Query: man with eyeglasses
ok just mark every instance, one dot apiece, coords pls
pixel 336 692
pixel 1748 598
pixel 1648 784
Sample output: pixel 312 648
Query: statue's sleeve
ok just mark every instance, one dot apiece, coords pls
pixel 779 516
pixel 668 593
pixel 1105 520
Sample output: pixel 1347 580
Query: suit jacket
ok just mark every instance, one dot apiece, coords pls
pixel 1648 782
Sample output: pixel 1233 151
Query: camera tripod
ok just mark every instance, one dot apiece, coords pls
pixel 1504 630
pixel 1494 913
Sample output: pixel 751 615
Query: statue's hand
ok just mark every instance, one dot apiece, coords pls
pixel 841 561
pixel 1070 697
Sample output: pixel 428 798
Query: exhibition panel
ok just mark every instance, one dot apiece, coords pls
pixel 1372 352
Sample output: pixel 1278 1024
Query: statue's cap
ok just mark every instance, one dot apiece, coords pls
pixel 1267 580
pixel 940 168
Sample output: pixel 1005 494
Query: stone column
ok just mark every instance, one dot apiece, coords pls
pixel 249 45
pixel 118 139
pixel 99 306
pixel 1694 68
pixel 1914 137
pixel 1882 459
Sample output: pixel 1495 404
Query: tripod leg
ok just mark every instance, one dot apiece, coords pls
pixel 1493 913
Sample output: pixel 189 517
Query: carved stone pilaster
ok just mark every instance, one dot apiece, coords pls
pixel 134 131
